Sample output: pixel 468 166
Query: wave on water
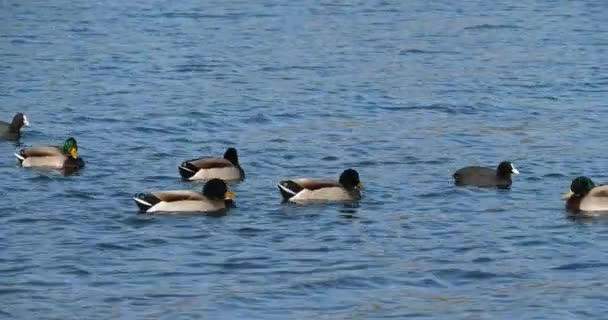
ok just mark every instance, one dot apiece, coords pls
pixel 486 26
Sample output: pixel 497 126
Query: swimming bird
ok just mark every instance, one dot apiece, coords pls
pixel 12 131
pixel 227 168
pixel 64 157
pixel 214 197
pixel 347 188
pixel 486 177
pixel 585 196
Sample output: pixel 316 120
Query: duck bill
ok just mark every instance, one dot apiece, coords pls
pixel 359 185
pixel 567 195
pixel 25 122
pixel 229 195
pixel 74 153
pixel 514 171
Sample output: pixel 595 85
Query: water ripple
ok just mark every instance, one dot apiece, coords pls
pixel 406 92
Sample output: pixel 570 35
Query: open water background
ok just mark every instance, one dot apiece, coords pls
pixel 406 92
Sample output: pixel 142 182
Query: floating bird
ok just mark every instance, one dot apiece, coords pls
pixel 486 177
pixel 65 157
pixel 585 196
pixel 227 168
pixel 347 188
pixel 214 197
pixel 12 131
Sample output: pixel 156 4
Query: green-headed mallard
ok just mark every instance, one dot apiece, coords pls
pixel 12 131
pixel 486 177
pixel 585 196
pixel 227 168
pixel 347 188
pixel 214 197
pixel 65 157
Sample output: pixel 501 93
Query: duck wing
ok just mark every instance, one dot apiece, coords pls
pixel 208 163
pixel 179 195
pixel 316 184
pixel 41 151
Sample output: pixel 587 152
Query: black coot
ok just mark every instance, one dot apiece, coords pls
pixel 486 177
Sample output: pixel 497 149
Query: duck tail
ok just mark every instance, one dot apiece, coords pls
pixel 145 201
pixel 20 156
pixel 187 170
pixel 457 178
pixel 289 189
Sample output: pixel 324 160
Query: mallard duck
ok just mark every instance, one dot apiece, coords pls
pixel 486 177
pixel 12 131
pixel 585 196
pixel 215 196
pixel 227 168
pixel 347 188
pixel 65 157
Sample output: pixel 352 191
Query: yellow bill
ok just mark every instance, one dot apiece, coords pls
pixel 230 195
pixel 567 195
pixel 360 185
pixel 74 153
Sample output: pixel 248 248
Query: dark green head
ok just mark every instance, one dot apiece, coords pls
pixel 216 189
pixel 232 156
pixel 71 147
pixel 580 186
pixel 350 179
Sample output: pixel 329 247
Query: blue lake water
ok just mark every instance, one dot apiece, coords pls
pixel 406 92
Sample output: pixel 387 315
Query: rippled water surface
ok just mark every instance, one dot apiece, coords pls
pixel 406 92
